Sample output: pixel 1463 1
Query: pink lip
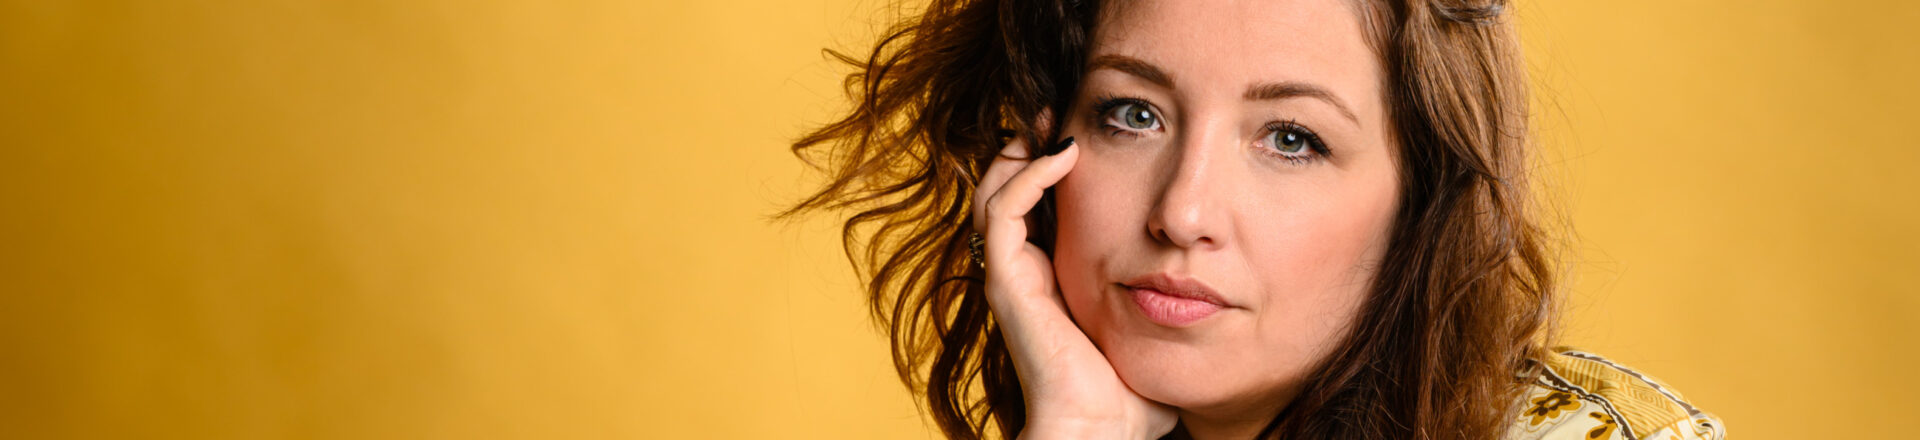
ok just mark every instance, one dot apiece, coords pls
pixel 1174 301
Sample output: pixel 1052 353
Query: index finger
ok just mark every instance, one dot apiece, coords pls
pixel 1004 167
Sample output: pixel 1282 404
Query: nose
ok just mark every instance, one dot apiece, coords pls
pixel 1191 211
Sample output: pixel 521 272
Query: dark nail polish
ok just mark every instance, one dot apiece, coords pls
pixel 1062 146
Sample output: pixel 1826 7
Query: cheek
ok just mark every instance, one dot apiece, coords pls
pixel 1324 246
pixel 1099 211
pixel 1318 261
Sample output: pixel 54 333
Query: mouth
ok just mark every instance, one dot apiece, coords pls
pixel 1174 301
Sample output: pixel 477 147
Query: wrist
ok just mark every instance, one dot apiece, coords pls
pixel 1054 428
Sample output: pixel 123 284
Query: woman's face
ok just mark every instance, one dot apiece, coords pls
pixel 1239 145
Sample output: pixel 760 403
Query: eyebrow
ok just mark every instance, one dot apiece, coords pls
pixel 1259 92
pixel 1132 66
pixel 1294 89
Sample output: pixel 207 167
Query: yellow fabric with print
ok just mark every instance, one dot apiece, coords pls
pixel 1580 395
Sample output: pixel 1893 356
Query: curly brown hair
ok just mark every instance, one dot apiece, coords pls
pixel 1460 308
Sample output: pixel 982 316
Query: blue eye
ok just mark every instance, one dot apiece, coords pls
pixel 1292 141
pixel 1133 116
pixel 1289 142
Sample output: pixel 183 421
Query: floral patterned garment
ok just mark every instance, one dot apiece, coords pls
pixel 1583 396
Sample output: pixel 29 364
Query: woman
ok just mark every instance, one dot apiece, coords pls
pixel 1273 219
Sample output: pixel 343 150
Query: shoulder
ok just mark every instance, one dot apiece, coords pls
pixel 1584 396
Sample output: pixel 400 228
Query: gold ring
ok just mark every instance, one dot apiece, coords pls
pixel 977 249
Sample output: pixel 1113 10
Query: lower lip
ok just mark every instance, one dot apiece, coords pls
pixel 1171 311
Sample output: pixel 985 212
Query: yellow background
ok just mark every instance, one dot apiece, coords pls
pixel 546 219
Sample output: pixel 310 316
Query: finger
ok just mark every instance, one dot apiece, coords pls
pixel 1012 158
pixel 1007 208
pixel 1010 161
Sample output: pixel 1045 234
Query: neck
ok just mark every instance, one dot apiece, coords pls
pixel 1229 422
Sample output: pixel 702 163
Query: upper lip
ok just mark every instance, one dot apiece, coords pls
pixel 1179 286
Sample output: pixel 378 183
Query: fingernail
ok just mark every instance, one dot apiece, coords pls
pixel 1062 146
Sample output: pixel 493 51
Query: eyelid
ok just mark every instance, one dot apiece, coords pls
pixel 1317 145
pixel 1106 104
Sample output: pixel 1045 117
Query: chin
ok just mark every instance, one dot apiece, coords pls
pixel 1172 372
pixel 1184 371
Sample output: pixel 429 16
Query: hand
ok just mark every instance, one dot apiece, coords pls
pixel 1070 389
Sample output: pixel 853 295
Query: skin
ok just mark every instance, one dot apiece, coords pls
pixel 1289 240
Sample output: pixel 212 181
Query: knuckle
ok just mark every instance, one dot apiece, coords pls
pixel 1003 167
pixel 996 205
pixel 1015 150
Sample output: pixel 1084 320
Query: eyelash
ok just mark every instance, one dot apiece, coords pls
pixel 1106 104
pixel 1306 134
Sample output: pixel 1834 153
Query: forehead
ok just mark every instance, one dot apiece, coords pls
pixel 1228 44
